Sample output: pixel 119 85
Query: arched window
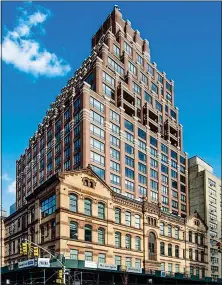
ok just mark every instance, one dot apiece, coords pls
pixel 169 231
pixel 138 243
pixel 118 239
pixel 73 203
pixel 101 210
pixel 169 249
pixel 190 254
pixel 88 233
pixel 128 218
pixel 176 233
pixel 190 236
pixel 88 207
pixel 152 246
pixel 162 248
pixel 162 228
pixel 117 215
pixel 128 241
pixel 101 236
pixel 73 229
pixel 177 249
pixel 137 221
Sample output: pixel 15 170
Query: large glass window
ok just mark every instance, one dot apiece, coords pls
pixel 132 68
pixel 73 203
pixel 115 166
pixel 48 206
pixel 152 246
pixel 114 179
pixel 128 218
pixel 101 258
pixel 129 173
pixel 108 91
pixel 95 157
pixel 96 117
pixel 129 161
pixel 100 172
pixel 138 243
pixel 118 239
pixel 97 144
pixel 128 241
pixel 114 153
pixel 88 256
pixel 73 227
pixel 128 125
pixel 97 131
pixel 129 149
pixel 88 207
pixel 108 78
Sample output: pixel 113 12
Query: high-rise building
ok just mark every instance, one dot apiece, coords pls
pixel 117 113
pixel 205 197
pixel 12 208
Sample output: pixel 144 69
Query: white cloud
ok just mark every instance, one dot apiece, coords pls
pixel 21 49
pixel 12 187
pixel 5 177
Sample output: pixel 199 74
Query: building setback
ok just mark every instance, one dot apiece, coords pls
pixel 205 197
pixel 117 113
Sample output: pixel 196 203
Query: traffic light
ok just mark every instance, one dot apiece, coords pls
pixel 24 248
pixel 36 251
pixel 21 250
pixel 219 245
pixel 60 273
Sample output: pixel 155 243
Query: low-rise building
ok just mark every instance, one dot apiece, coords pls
pixel 76 214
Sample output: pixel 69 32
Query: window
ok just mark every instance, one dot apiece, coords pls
pixel 154 88
pixel 142 190
pixel 142 167
pixel 117 215
pixel 173 163
pixel 173 114
pixel 164 189
pixel 165 200
pixel 162 266
pixel 153 151
pixel 153 185
pixel 202 256
pixel 138 243
pixel 129 173
pixel 128 261
pixel 73 203
pixel 162 248
pixel 141 134
pixel 142 179
pixel 196 255
pixel 97 158
pixel 136 88
pixel 164 168
pixel 153 163
pixel 129 137
pixel 196 238
pixel 48 206
pixel 114 116
pixel 154 196
pixel 114 153
pixel 96 117
pixel 97 144
pixel 127 48
pixel 201 239
pixel 114 141
pixel 175 204
pixel 101 236
pixel 101 210
pixel 128 241
pixel 152 246
pixel 137 221
pixel 148 98
pixel 153 141
pixel 173 174
pixel 77 145
pixel 116 50
pixel 118 239
pixel 117 260
pixel 159 106
pixel 138 263
pixel 97 131
pixel 108 78
pixel 101 258
pixel 141 156
pixel 144 79
pixel 132 68
pixel 74 254
pixel 159 78
pixel 115 66
pixel 190 236
pixel 162 228
pixel 88 207
pixel 73 227
pixel 114 179
pixel 164 158
pixel 88 233
pixel 168 97
pixel 100 172
pixel 169 231
pixel 176 233
pixel 88 256
pixel 177 268
pixel 128 125
pixel 128 218
pixel 169 249
pixel 153 174
pixel 150 69
pixel 129 161
pixel 129 149
pixel 173 154
pixel 142 145
pixel 108 91
pixel 177 251
pixel 115 166
pixel 139 59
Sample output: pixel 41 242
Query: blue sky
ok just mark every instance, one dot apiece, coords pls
pixel 184 40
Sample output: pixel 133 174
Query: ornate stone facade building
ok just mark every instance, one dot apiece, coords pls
pixel 76 214
pixel 116 113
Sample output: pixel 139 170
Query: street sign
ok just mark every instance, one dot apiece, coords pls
pixel 90 264
pixel 107 266
pixel 134 270
pixel 44 262
pixel 26 263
